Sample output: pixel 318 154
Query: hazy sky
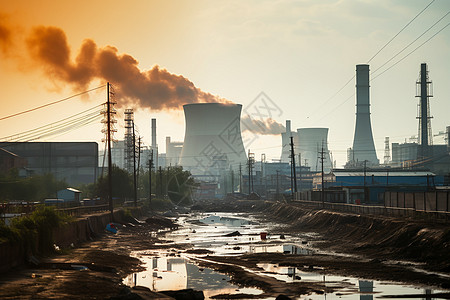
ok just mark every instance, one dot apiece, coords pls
pixel 299 53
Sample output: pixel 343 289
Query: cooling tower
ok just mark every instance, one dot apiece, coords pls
pixel 212 141
pixel 363 145
pixel 310 142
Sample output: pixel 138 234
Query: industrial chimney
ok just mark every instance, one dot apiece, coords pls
pixel 212 141
pixel 363 145
pixel 311 141
pixel 286 140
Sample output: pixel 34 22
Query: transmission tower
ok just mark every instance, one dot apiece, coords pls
pixel 109 121
pixel 251 162
pixel 387 151
pixel 129 144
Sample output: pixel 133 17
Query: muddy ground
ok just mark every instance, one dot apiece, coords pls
pixel 380 248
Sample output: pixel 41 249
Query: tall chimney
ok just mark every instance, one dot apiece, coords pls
pixel 363 145
pixel 154 133
pixel 424 92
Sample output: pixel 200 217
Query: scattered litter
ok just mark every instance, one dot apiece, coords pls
pixel 79 267
pixel 234 233
pixel 111 228
pixel 263 235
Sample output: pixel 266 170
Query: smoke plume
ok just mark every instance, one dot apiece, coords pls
pixel 5 34
pixel 267 126
pixel 156 89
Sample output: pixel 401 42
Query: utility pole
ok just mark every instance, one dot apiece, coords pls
pixel 160 182
pixel 150 167
pixel 249 172
pixel 293 169
pixel 263 159
pixel 138 158
pixel 134 168
pixel 322 158
pixel 278 186
pixel 300 170
pixel 232 180
pixel 240 178
pixel 365 170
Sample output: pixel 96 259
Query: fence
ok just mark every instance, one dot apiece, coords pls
pixel 427 205
pixel 436 201
pixel 84 210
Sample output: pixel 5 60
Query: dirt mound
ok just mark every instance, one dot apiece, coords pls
pixel 158 222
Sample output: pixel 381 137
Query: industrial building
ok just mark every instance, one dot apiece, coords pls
pixel 74 162
pixel 9 160
pixel 369 186
pixel 173 152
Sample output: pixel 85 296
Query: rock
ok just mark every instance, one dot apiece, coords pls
pixel 187 294
pixel 282 297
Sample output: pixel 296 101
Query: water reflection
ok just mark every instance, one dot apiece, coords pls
pixel 349 288
pixel 227 221
pixel 284 248
pixel 175 273
pixel 365 289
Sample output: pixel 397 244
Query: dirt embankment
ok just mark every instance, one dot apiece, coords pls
pixel 370 236
pixel 373 236
pixel 94 270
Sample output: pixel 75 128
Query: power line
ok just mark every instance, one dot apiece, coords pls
pixel 406 47
pixel 335 94
pixel 411 52
pixel 404 27
pixel 51 103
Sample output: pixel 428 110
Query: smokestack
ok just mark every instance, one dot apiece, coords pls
pixel 285 141
pixel 363 145
pixel 154 133
pixel 288 126
pixel 424 92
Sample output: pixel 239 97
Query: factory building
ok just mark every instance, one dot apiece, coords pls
pixel 74 162
pixel 173 152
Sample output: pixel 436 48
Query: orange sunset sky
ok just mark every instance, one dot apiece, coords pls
pixel 299 53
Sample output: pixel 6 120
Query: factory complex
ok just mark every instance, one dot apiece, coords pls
pixel 213 151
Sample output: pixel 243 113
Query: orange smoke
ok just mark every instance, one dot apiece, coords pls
pixel 5 34
pixel 156 88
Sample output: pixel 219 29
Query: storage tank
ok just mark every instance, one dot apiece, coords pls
pixel 310 142
pixel 212 141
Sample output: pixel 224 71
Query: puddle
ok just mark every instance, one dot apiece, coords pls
pixel 165 273
pixel 234 234
pixel 282 248
pixel 349 287
pixel 227 221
